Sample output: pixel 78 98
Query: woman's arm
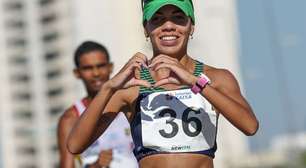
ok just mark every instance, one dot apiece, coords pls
pixel 225 95
pixel 85 131
pixel 224 92
pixel 97 117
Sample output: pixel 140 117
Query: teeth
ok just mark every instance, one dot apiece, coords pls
pixel 166 38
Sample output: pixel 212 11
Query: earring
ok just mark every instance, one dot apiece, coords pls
pixel 191 36
pixel 147 39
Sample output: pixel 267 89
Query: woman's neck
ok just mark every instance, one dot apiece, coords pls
pixel 184 59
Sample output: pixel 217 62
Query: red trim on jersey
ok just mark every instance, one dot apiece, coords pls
pixel 85 103
pixel 76 111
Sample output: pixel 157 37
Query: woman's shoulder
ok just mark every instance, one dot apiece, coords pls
pixel 215 71
pixel 219 76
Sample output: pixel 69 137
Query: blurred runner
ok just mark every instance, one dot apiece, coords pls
pixel 114 148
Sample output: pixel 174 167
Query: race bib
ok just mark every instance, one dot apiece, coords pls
pixel 177 121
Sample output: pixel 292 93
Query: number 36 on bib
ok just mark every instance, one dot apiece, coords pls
pixel 177 121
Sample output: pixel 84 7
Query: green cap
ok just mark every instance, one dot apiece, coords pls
pixel 150 7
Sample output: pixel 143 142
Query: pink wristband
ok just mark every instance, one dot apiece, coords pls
pixel 202 81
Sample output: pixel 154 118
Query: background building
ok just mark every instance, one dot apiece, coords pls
pixel 36 79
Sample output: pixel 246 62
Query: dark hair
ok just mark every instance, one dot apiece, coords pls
pixel 86 47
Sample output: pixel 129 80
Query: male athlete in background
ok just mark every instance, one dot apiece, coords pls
pixel 114 148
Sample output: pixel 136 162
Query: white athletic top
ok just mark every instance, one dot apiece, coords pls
pixel 117 137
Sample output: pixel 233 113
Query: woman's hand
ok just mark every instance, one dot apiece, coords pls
pixel 127 76
pixel 177 75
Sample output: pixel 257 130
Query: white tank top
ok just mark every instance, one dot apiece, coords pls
pixel 117 137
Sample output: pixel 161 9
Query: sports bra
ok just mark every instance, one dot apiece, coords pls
pixel 173 121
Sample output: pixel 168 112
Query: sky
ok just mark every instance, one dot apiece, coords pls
pixel 272 56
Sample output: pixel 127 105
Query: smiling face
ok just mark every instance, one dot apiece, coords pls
pixel 94 70
pixel 169 30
